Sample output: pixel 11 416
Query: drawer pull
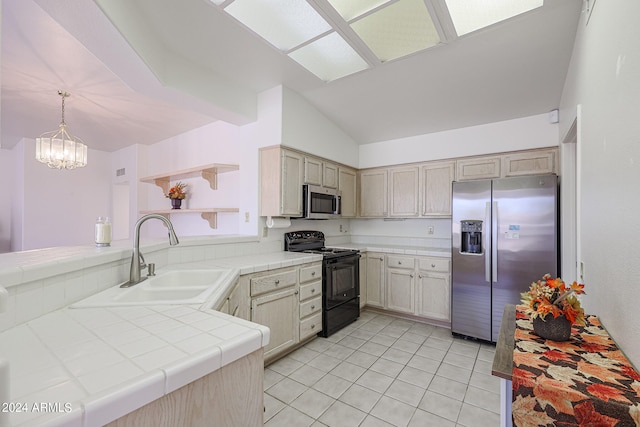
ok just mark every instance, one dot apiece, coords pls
pixel 399 262
pixel 313 273
pixel 313 326
pixel 433 266
pixel 295 293
pixel 313 307
pixel 277 282
pixel 313 290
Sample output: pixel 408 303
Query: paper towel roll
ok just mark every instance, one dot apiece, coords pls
pixel 278 222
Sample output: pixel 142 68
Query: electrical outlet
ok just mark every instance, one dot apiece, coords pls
pixel 429 230
pixel 246 217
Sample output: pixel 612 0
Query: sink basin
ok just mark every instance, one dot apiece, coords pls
pixel 175 286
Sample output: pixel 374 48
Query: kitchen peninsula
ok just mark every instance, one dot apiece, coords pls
pixel 92 366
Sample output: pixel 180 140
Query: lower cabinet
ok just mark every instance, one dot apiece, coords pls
pixel 278 311
pixel 401 283
pixel 375 279
pixel 288 301
pixel 415 285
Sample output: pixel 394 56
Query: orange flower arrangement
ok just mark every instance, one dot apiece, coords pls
pixel 177 191
pixel 554 296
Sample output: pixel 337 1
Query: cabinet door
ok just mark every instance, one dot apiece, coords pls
pixel 436 188
pixel 373 193
pixel 312 171
pixel 529 163
pixel 291 197
pixel 403 191
pixel 329 175
pixel 400 290
pixel 278 311
pixel 375 279
pixel 434 296
pixel 478 168
pixel 347 185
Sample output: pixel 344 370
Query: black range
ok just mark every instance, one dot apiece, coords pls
pixel 340 278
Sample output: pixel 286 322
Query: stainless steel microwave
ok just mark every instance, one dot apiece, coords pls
pixel 320 203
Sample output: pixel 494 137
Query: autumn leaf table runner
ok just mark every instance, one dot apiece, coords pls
pixel 585 381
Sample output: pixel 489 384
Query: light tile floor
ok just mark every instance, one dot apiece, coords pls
pixel 384 371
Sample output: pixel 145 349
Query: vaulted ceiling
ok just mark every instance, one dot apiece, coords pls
pixel 141 71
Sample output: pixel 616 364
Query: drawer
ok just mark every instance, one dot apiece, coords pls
pixel 310 307
pixel 395 261
pixel 310 290
pixel 272 282
pixel 435 264
pixel 310 273
pixel 311 326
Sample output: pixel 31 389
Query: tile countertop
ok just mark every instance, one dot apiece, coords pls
pixel 89 366
pixel 395 249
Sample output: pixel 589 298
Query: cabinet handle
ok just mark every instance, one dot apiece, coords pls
pixel 313 290
pixel 419 276
pixel 313 326
pixel 295 293
pixel 313 307
pixel 313 273
pixel 433 266
pixel 399 262
pixel 277 282
pixel 411 275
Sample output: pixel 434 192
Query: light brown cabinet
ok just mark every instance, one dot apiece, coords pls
pixel 310 301
pixel 375 279
pixel 436 179
pixel 404 192
pixel 289 302
pixel 281 182
pixel 312 171
pixel 434 289
pixel 400 284
pixel 533 162
pixel 374 185
pixel 347 185
pixel 329 175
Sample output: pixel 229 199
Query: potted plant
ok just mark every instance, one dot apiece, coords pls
pixel 177 193
pixel 553 307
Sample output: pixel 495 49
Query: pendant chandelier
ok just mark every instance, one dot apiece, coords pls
pixel 59 150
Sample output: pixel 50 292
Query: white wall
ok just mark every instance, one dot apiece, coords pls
pixel 8 182
pixel 604 78
pixel 305 128
pixel 60 207
pixel 511 135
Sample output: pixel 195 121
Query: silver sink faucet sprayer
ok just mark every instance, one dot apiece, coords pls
pixel 137 260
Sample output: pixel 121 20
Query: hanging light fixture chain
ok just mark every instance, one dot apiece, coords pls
pixel 63 95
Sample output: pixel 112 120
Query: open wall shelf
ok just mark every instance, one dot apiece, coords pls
pixel 209 173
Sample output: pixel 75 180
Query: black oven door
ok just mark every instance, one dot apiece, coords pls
pixel 341 278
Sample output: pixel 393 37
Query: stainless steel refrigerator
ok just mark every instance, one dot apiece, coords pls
pixel 504 236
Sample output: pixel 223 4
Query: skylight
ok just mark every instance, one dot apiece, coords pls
pixel 468 16
pixel 336 38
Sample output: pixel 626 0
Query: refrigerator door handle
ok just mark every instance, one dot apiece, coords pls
pixel 494 243
pixel 488 244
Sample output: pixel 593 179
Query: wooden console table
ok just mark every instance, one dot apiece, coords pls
pixel 586 381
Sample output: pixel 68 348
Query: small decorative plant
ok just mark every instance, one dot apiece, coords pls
pixel 177 191
pixel 553 296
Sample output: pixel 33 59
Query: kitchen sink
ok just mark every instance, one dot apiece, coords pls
pixel 174 286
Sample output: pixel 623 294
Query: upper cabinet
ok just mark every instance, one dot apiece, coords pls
pixel 404 191
pixel 436 179
pixel 348 187
pixel 284 171
pixel 533 162
pixel 374 193
pixel 281 182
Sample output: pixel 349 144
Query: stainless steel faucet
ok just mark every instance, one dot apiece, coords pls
pixel 137 260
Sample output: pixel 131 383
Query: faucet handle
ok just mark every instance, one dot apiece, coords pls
pixel 143 263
